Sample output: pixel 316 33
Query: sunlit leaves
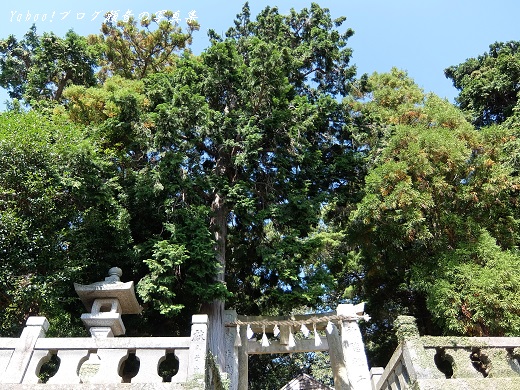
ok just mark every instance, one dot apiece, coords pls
pixel 59 214
pixel 476 290
pixel 489 83
pixel 38 68
pixel 131 52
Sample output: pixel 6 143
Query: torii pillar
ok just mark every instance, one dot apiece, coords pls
pixel 347 351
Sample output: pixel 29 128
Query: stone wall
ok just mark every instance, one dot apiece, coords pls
pixel 427 363
pixel 97 363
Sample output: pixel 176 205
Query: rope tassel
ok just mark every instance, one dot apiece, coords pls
pixel 265 341
pixel 317 339
pixel 305 330
pixel 238 341
pixel 329 327
pixel 276 330
pixel 292 343
pixel 250 333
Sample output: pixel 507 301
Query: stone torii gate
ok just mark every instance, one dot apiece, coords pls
pixel 343 342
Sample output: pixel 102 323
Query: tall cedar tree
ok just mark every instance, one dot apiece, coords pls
pixel 252 131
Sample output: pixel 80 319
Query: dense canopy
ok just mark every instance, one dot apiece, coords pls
pixel 262 175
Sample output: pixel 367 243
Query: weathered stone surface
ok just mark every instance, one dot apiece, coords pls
pixel 19 362
pixel 109 367
pixel 124 292
pixel 452 362
pixel 231 354
pixel 103 332
pixel 117 342
pixel 104 386
pixel 354 349
pixel 110 288
pixel 375 375
pixel 70 362
pixel 89 368
pixel 5 357
pixel 149 367
pixel 40 322
pixel 38 359
pixel 337 360
pixel 198 347
pixel 183 355
pixel 111 321
pixel 468 384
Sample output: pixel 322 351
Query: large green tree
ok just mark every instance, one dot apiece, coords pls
pixel 37 67
pixel 16 60
pixel 227 160
pixel 437 189
pixel 252 132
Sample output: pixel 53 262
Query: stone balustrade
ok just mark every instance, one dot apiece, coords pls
pixel 99 362
pixel 427 363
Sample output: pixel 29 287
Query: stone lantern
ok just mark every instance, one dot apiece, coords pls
pixel 107 301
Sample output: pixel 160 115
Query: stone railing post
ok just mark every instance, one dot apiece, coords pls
pixel 35 327
pixel 198 349
pixel 354 348
pixel 414 354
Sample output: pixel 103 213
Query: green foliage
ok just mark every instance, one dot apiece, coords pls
pixel 58 62
pixel 475 290
pixel 60 219
pixel 133 53
pixel 257 140
pixel 38 68
pixel 16 57
pixel 183 267
pixel 390 98
pixel 158 285
pixel 380 102
pixel 315 53
pixel 94 105
pixel 434 183
pixel 489 83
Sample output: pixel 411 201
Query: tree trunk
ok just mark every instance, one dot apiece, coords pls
pixel 215 309
pixel 61 85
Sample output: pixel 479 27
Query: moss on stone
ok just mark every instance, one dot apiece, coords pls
pixel 406 328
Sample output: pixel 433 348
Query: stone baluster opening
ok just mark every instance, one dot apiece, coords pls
pixel 129 368
pixel 444 362
pixel 513 355
pixel 169 367
pixel 49 368
pixel 480 361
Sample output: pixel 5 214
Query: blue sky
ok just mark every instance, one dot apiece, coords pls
pixel 422 37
